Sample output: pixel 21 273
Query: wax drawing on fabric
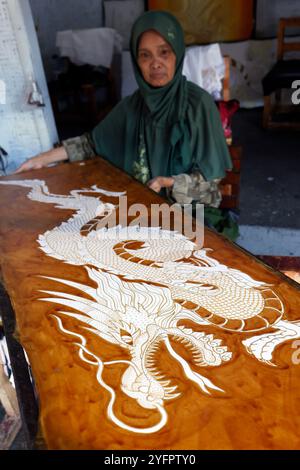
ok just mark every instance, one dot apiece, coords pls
pixel 147 284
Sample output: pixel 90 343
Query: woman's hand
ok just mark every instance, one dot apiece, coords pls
pixel 34 163
pixel 43 159
pixel 160 182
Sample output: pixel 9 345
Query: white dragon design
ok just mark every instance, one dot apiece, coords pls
pixel 148 280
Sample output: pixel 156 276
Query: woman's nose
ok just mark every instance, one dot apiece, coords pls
pixel 155 64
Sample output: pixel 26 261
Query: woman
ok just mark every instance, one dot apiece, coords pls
pixel 168 134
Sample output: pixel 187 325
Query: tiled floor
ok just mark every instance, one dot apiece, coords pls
pixel 270 169
pixel 20 442
pixel 11 433
pixel 270 241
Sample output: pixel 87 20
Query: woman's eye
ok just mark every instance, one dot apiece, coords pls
pixel 165 52
pixel 143 55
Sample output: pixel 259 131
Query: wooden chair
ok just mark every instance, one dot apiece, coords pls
pixel 230 185
pixel 281 76
pixel 95 112
pixel 226 79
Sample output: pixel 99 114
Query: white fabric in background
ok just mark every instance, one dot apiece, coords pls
pixel 204 65
pixel 94 46
pixel 251 61
pixel 120 15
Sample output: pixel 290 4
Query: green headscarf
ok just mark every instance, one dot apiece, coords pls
pixel 167 130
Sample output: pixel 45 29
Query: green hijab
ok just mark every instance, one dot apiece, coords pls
pixel 167 130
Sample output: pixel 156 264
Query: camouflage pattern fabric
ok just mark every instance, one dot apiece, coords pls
pixel 193 187
pixel 80 148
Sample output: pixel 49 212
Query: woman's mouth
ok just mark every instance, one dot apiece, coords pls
pixel 157 76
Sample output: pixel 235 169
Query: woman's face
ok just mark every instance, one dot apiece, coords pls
pixel 156 59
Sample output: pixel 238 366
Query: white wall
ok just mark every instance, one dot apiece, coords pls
pixel 57 15
pixel 268 14
pixel 25 129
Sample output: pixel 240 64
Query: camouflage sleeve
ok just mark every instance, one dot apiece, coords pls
pixel 193 187
pixel 80 148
